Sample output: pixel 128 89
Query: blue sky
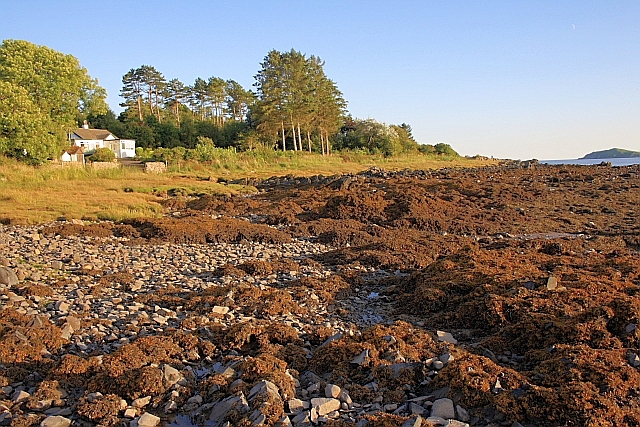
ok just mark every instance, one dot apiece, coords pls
pixel 510 79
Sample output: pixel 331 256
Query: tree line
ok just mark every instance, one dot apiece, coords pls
pixel 293 105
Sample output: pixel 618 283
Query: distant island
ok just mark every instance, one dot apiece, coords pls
pixel 612 153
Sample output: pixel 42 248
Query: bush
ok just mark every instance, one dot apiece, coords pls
pixel 103 155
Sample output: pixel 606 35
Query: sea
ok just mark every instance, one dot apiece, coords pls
pixel 586 162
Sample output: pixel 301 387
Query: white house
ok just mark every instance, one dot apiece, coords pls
pixel 92 139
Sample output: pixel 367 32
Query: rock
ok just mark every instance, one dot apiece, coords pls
pixel 8 277
pixel 437 364
pixel 446 337
pixel 415 409
pixel 130 413
pixel 55 421
pixel 332 390
pixel 436 421
pixel 552 283
pixel 446 358
pixel 170 406
pixel 62 306
pixel 265 389
pixel 631 327
pixel 324 405
pixel 74 322
pixel 463 415
pixel 67 331
pixel 344 397
pixel 331 339
pixel 283 422
pixel 415 421
pixel 141 402
pixel 455 423
pixel 220 310
pixel 301 418
pixel 197 399
pixel 443 408
pixel 224 407
pixel 296 406
pixel 56 265
pixel 634 360
pixel 170 375
pixel 361 358
pixel 20 396
pixel 148 420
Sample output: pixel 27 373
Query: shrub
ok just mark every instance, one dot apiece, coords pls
pixel 103 155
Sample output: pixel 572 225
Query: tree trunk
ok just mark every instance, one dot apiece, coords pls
pixel 140 107
pixel 299 137
pixel 293 133
pixel 309 140
pixel 322 141
pixel 284 147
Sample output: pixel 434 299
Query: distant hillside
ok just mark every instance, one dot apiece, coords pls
pixel 613 153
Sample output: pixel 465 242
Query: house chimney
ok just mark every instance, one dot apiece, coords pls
pixel 85 125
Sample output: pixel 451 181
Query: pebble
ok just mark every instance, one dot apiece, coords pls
pixel 147 420
pixel 446 337
pixel 56 421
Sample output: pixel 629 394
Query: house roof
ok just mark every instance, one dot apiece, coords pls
pixel 92 133
pixel 75 150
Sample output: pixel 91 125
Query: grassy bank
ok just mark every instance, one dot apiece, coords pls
pixel 31 195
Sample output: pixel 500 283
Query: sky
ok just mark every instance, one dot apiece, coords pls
pixel 508 79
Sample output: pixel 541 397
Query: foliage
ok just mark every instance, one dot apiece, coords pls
pixel 375 138
pixel 44 92
pixel 102 155
pixel 25 133
pixel 440 149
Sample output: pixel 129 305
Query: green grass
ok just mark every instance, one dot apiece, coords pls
pixel 30 195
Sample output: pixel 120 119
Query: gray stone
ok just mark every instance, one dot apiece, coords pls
pixel 283 422
pixel 148 420
pixel 455 423
pixel 141 402
pixel 220 310
pixel 446 337
pixel 463 415
pixel 224 407
pixel 631 327
pixel 324 405
pixel 443 408
pixel 8 277
pixel 436 421
pixel 415 421
pixel 634 360
pixel 332 390
pixel 361 358
pixel 20 396
pixel 55 421
pixel 446 358
pixel 301 418
pixel 264 389
pixel 74 322
pixel 171 375
pixel 296 406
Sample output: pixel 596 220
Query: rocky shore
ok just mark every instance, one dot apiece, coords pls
pixel 498 296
